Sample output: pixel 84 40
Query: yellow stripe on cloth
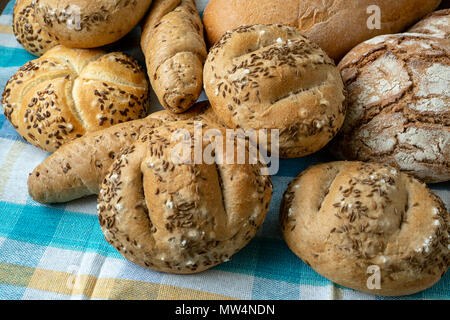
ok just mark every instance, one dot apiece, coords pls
pixel 5 28
pixel 92 287
pixel 8 164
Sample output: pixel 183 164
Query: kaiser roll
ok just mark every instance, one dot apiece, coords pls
pixel 28 31
pixel 271 77
pixel 398 104
pixel 89 23
pixel 68 92
pixel 368 227
pixel 335 25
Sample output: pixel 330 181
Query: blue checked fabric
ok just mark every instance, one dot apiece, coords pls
pixel 59 252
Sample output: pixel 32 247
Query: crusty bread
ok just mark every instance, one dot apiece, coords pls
pixel 89 23
pixel 335 25
pixel 175 50
pixel 201 111
pixel 78 168
pixel 343 217
pixel 436 24
pixel 27 30
pixel 180 218
pixel 271 77
pixel 399 104
pixel 68 92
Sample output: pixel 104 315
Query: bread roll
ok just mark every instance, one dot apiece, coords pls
pixel 89 23
pixel 271 77
pixel 27 30
pixel 180 218
pixel 68 92
pixel 335 25
pixel 398 105
pixel 201 111
pixel 175 50
pixel 436 24
pixel 77 169
pixel 354 222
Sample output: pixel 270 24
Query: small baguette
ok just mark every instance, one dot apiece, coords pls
pixel 77 169
pixel 175 51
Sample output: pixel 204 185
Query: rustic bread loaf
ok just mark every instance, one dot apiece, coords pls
pixel 398 104
pixel 201 111
pixel 68 92
pixel 180 218
pixel 89 23
pixel 436 24
pixel 78 168
pixel 28 31
pixel 175 50
pixel 335 25
pixel 271 77
pixel 348 220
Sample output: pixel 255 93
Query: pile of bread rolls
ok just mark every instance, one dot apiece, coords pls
pixel 270 65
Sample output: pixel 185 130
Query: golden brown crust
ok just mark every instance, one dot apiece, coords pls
pixel 200 111
pixel 68 92
pixel 78 168
pixel 27 30
pixel 335 25
pixel 342 217
pixel 180 218
pixel 436 24
pixel 398 104
pixel 89 23
pixel 271 77
pixel 175 50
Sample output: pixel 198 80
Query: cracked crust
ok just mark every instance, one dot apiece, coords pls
pixel 180 218
pixel 175 50
pixel 89 23
pixel 69 92
pixel 370 214
pixel 271 77
pixel 436 24
pixel 28 32
pixel 335 25
pixel 398 105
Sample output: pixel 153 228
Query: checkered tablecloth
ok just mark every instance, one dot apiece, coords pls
pixel 59 252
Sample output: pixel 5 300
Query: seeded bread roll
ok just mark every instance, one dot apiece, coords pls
pixel 77 169
pixel 271 77
pixel 201 111
pixel 335 25
pixel 398 104
pixel 180 218
pixel 436 24
pixel 89 23
pixel 28 31
pixel 68 92
pixel 175 50
pixel 349 219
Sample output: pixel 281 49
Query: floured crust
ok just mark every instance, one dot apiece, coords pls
pixel 271 77
pixel 27 30
pixel 398 104
pixel 179 218
pixel 89 23
pixel 68 92
pixel 175 50
pixel 342 217
pixel 436 24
